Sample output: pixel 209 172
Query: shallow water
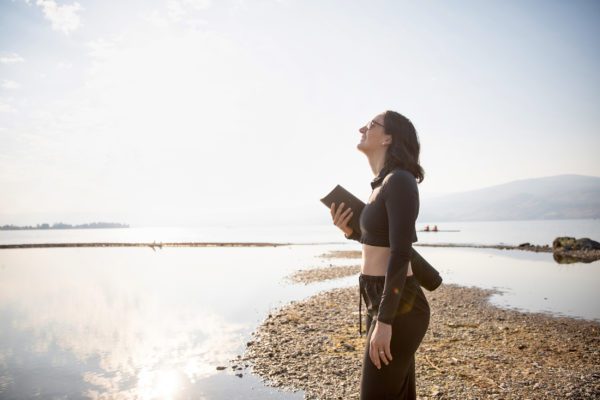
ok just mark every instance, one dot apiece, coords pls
pixel 132 322
pixel 528 281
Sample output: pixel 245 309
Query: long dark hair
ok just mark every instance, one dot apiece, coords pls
pixel 405 148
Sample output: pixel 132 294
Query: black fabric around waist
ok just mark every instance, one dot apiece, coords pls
pixel 410 279
pixel 371 288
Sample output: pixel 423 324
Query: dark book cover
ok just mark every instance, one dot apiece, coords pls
pixel 340 195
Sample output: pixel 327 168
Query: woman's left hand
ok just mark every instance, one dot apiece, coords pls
pixel 379 347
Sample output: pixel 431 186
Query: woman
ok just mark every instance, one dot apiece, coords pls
pixel 397 310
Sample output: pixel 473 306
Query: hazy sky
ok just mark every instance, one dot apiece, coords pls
pixel 162 112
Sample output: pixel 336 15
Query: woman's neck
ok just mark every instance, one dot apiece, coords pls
pixel 377 162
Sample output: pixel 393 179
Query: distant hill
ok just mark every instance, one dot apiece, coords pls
pixel 553 197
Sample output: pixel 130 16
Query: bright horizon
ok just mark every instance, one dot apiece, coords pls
pixel 184 111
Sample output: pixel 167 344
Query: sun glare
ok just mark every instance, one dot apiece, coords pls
pixel 159 384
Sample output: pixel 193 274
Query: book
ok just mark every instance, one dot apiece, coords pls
pixel 425 273
pixel 340 195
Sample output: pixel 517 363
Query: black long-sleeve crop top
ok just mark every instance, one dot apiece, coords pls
pixel 388 220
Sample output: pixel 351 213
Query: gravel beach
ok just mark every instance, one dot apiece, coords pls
pixel 307 276
pixel 472 349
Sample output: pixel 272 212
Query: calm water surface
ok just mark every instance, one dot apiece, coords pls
pixel 480 232
pixel 528 281
pixel 136 323
pixel 133 323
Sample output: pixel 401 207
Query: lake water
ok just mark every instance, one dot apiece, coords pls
pixel 481 232
pixel 137 323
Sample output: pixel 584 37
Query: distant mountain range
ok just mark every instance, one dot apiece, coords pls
pixel 553 197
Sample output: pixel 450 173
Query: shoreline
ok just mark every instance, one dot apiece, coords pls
pixel 153 245
pixel 560 256
pixel 472 349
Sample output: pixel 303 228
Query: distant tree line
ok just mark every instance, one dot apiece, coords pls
pixel 60 225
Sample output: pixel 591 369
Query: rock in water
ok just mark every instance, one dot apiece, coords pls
pixel 570 243
pixel 563 243
pixel 586 243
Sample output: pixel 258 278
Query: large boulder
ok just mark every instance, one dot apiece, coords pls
pixel 570 243
pixel 586 243
pixel 563 243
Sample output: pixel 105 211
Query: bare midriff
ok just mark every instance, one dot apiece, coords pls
pixel 375 260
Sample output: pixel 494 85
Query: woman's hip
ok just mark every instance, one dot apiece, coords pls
pixel 413 303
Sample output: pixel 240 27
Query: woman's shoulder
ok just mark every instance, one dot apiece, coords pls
pixel 400 178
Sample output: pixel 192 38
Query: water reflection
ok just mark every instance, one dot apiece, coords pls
pixel 529 281
pixel 132 323
pixel 121 323
pixel 566 259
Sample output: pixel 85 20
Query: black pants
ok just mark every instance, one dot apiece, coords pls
pixel 397 379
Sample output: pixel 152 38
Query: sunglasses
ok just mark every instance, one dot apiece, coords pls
pixel 371 123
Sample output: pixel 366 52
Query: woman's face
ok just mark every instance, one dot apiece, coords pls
pixel 373 135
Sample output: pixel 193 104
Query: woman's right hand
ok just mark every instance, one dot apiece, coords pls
pixel 341 218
